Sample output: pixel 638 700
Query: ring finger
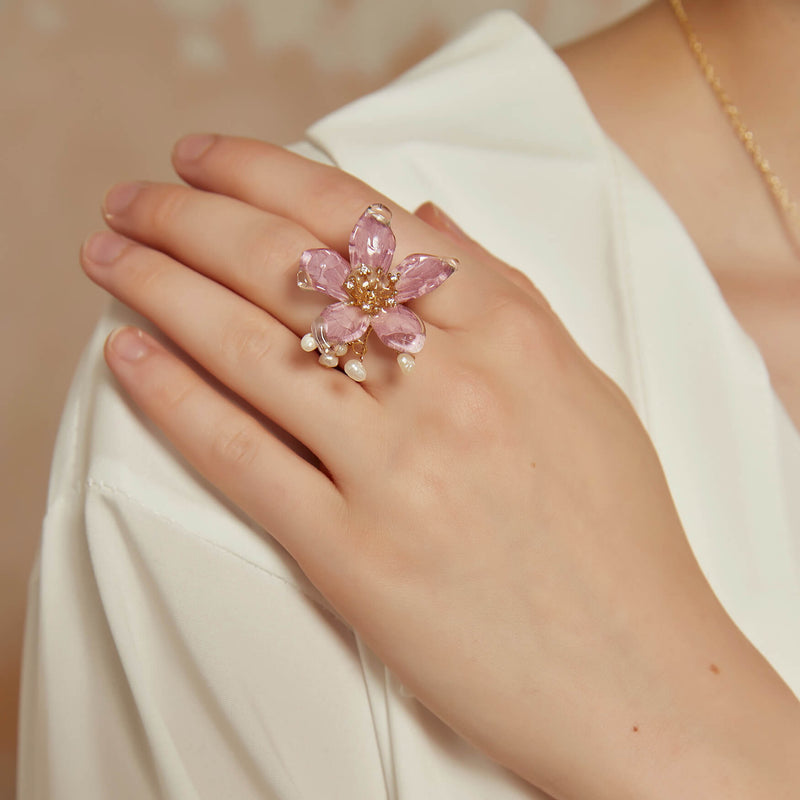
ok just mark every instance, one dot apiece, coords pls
pixel 248 350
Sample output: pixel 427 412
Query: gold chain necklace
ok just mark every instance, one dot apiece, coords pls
pixel 775 184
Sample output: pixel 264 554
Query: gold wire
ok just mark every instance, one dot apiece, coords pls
pixel 360 345
pixel 774 183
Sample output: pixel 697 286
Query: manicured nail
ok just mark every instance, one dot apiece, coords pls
pixel 190 148
pixel 129 344
pixel 104 247
pixel 120 197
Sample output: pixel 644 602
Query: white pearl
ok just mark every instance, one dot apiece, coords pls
pixel 406 361
pixel 341 349
pixel 308 342
pixel 328 360
pixel 355 369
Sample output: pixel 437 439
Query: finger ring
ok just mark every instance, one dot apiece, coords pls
pixel 370 294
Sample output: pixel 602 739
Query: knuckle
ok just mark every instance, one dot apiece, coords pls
pixel 521 279
pixel 244 157
pixel 165 207
pixel 171 396
pixel 239 162
pixel 246 342
pixel 235 445
pixel 269 248
pixel 525 283
pixel 144 274
pixel 521 328
pixel 517 317
pixel 336 189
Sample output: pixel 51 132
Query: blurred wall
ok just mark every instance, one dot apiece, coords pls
pixel 95 92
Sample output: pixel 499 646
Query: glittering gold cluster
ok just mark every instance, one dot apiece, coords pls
pixel 371 290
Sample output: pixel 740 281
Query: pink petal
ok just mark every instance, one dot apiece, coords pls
pixel 324 270
pixel 420 274
pixel 340 322
pixel 372 243
pixel 400 328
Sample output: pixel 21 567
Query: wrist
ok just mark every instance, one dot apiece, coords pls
pixel 726 725
pixel 695 713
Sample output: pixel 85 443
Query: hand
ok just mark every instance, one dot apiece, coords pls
pixel 496 525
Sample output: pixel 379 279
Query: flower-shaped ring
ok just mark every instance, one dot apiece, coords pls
pixel 370 294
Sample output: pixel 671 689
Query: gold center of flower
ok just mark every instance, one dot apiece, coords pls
pixel 370 289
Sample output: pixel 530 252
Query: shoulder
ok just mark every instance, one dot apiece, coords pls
pixel 498 86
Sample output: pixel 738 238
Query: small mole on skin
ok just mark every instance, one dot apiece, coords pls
pixel 533 463
pixel 715 669
pixel 636 729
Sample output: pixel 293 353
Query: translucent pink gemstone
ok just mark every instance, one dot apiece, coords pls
pixel 400 328
pixel 371 243
pixel 420 274
pixel 340 322
pixel 326 271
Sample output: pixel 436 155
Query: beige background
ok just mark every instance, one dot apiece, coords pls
pixel 95 92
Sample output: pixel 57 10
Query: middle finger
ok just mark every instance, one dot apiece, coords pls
pixel 252 252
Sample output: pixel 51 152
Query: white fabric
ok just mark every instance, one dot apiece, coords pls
pixel 174 650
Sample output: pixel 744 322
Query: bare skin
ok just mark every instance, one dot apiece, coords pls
pixel 650 96
pixel 570 636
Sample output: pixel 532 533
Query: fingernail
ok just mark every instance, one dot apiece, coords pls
pixel 129 344
pixel 447 221
pixel 104 247
pixel 120 197
pixel 190 148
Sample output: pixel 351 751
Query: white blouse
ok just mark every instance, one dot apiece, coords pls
pixel 173 649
